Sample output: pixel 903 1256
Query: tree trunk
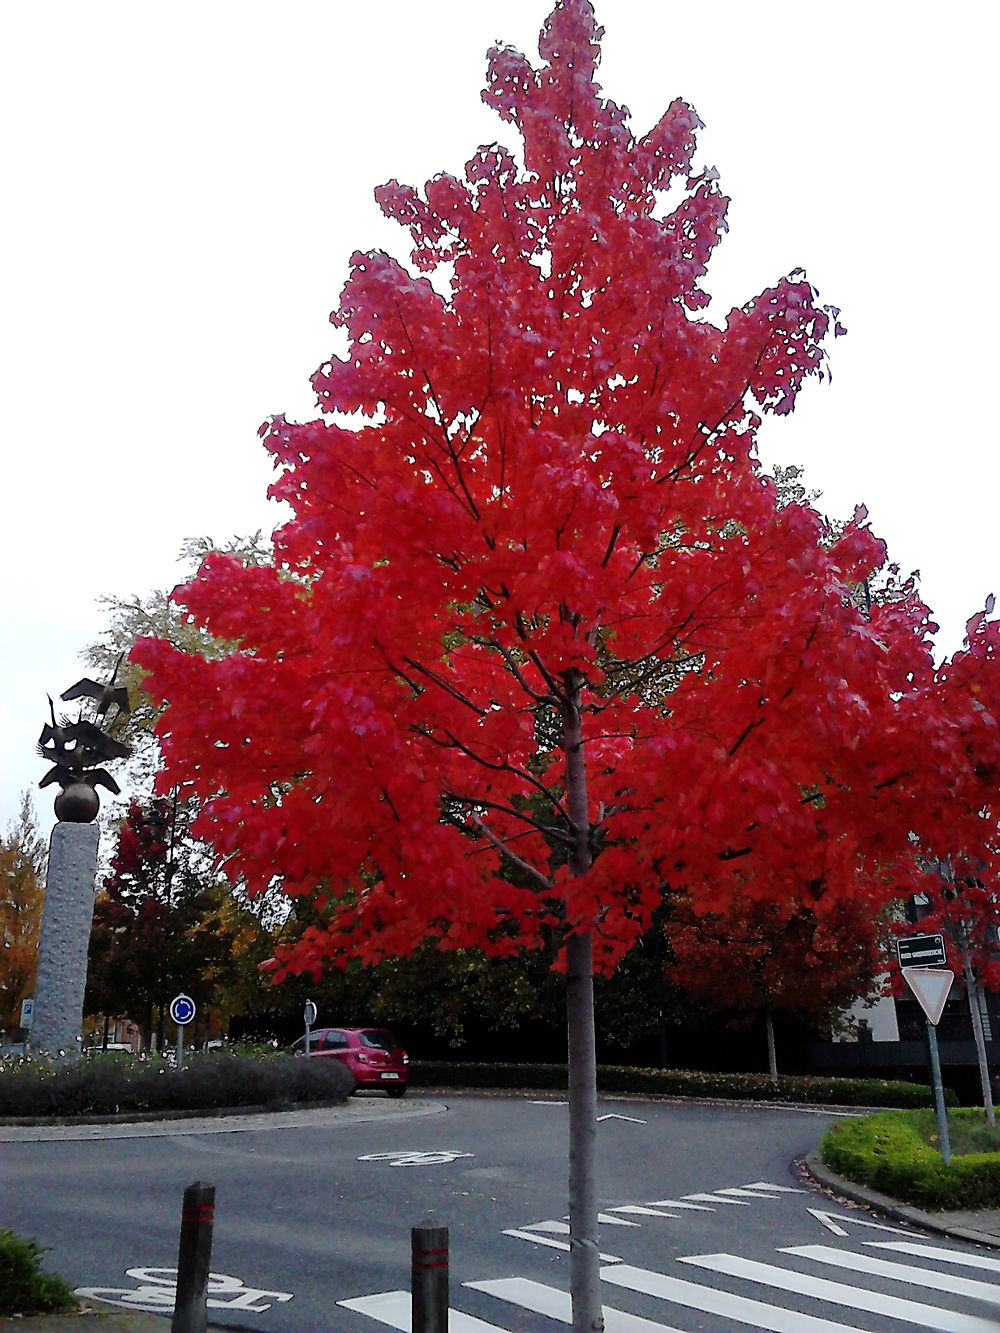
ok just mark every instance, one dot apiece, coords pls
pixel 772 1057
pixel 975 1013
pixel 584 1258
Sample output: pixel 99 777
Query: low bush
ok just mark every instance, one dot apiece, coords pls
pixel 24 1288
pixel 680 1083
pixel 898 1154
pixel 109 1085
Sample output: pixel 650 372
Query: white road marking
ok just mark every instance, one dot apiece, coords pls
pixel 916 1277
pixel 438 1158
pixel 937 1253
pixel 606 1219
pixel 679 1203
pixel 746 1193
pixel 743 1309
pixel 635 1209
pixel 395 1309
pixel 832 1223
pixel 553 1244
pixel 613 1115
pixel 560 1228
pixel 555 1304
pixel 780 1189
pixel 838 1293
pixel 715 1198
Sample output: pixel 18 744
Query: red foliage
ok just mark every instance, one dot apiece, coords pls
pixel 532 502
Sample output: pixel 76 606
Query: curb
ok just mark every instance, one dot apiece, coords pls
pixel 815 1167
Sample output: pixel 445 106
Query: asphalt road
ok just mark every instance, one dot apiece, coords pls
pixel 702 1205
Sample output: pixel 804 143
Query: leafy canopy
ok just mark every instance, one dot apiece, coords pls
pixel 529 530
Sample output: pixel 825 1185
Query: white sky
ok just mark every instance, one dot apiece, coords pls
pixel 186 183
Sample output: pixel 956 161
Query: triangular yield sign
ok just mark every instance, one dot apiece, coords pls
pixel 931 986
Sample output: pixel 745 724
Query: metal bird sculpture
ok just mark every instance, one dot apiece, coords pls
pixel 108 696
pixel 78 750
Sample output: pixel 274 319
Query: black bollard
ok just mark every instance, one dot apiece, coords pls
pixel 429 1279
pixel 194 1259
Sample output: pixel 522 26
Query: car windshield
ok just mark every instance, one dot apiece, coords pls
pixel 379 1038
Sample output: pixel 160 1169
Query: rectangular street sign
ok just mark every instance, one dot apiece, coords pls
pixel 921 951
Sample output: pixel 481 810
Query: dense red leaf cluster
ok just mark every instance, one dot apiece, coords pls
pixel 531 510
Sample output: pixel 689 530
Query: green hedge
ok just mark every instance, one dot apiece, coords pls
pixel 107 1085
pixel 888 1153
pixel 680 1083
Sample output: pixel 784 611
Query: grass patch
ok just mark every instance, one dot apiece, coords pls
pixel 121 1083
pixel 898 1153
pixel 24 1288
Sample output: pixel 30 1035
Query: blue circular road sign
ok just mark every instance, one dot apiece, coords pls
pixel 182 1009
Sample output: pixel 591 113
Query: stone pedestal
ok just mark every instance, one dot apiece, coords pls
pixel 67 916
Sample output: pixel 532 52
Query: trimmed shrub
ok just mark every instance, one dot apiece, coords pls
pixel 107 1086
pixel 889 1152
pixel 680 1083
pixel 24 1288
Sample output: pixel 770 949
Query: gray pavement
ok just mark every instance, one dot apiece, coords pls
pixel 981 1227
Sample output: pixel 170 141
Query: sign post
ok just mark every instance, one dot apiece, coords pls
pixel 182 1010
pixel 931 986
pixel 310 1018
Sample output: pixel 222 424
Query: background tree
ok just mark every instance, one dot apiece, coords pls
pixel 772 957
pixel 165 923
pixel 536 593
pixel 22 891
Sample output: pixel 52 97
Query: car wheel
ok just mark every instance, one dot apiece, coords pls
pixel 397 1091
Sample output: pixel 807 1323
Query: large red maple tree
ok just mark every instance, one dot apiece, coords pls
pixel 537 636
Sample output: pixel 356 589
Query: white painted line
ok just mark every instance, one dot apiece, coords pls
pixel 553 1244
pixel 780 1189
pixel 838 1293
pixel 916 1277
pixel 679 1203
pixel 560 1228
pixel 635 1209
pixel 555 1304
pixel 612 1115
pixel 742 1309
pixel 747 1193
pixel 548 1103
pixel 607 1220
pixel 832 1222
pixel 394 1308
pixel 717 1198
pixel 938 1254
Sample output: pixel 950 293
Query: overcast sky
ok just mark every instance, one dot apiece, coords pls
pixel 185 185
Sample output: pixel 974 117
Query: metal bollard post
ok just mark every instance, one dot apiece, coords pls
pixel 429 1279
pixel 194 1258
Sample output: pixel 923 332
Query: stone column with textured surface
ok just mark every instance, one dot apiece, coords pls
pixel 67 916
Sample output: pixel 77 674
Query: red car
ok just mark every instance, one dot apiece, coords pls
pixel 373 1055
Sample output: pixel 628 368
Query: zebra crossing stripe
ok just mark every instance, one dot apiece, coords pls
pixel 937 1253
pixel 394 1309
pixel 917 1277
pixel 540 1299
pixel 742 1309
pixel 779 1189
pixel 837 1293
